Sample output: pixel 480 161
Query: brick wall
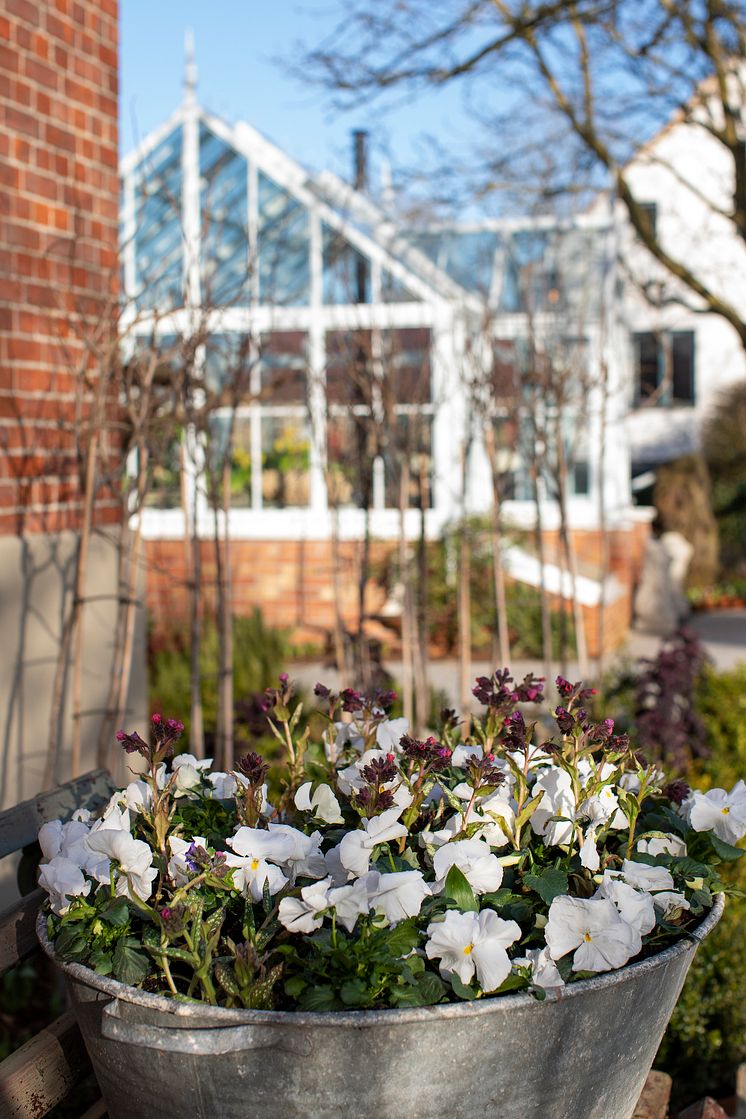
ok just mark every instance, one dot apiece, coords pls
pixel 292 582
pixel 58 247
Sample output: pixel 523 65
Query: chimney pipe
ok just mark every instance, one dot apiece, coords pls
pixel 360 164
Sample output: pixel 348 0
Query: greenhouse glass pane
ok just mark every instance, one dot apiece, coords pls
pixel 286 452
pixel 470 259
pixel 394 291
pixel 239 432
pixel 284 247
pixel 229 365
pixel 411 443
pixel 346 271
pixel 284 367
pixel 158 236
pixel 224 222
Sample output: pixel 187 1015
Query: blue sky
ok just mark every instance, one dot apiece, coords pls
pixel 238 47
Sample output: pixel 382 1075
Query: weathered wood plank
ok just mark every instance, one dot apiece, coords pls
pixel 19 826
pixel 17 930
pixel 41 1073
pixel 653 1103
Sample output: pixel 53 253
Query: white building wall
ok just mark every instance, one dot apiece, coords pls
pixel 688 175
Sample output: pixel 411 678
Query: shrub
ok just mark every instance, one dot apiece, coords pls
pixel 259 653
pixel 523 601
pixel 706 1040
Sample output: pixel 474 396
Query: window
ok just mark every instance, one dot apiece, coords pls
pixel 224 221
pixel 346 271
pixel 158 237
pixel 284 247
pixel 664 367
pixel 380 416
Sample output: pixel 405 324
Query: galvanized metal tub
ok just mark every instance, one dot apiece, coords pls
pixel 583 1053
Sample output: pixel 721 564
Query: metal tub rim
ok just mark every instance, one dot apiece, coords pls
pixel 222 1016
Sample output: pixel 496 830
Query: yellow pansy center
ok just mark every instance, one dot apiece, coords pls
pixel 468 949
pixel 255 864
pixel 725 811
pixel 587 937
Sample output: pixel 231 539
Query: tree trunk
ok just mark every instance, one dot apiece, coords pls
pixel 546 617
pixel 498 575
pixel 421 689
pixel 407 627
pixel 192 541
pixel 224 731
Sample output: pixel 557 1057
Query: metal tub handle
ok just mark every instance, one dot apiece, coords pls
pixel 199 1040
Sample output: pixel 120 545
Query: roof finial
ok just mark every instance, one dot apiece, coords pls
pixel 190 68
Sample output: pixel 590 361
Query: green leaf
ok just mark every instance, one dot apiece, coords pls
pixel 227 980
pixel 115 912
pixel 100 961
pixel 461 989
pixel 549 884
pixel 458 890
pixel 499 898
pixel 528 810
pixel 727 852
pixel 130 966
pixel 294 986
pixel 403 938
pixel 318 998
pixel 354 992
pixel 512 983
pixel 431 987
pixel 564 966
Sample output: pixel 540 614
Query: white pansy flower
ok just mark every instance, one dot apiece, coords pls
pixel 593 929
pixel 333 866
pixel 134 858
pixel 464 752
pixel 63 880
pixel 389 734
pixel 589 857
pixel 475 860
pixel 356 847
pixel 558 800
pixel 720 812
pixel 646 877
pixel 670 904
pixel 351 780
pixel 251 872
pixel 350 901
pixel 544 971
pixel 306 913
pixel 323 803
pixel 662 845
pixel 494 813
pixel 398 895
pixel 469 942
pixel 67 840
pixel 188 770
pixel 178 865
pixel 138 796
pixel 603 808
pixel 634 906
pixel 114 818
pixel 305 859
pixel 253 849
pixel 348 735
pixel 224 785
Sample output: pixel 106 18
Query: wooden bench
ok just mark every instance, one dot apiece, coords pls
pixel 41 1074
